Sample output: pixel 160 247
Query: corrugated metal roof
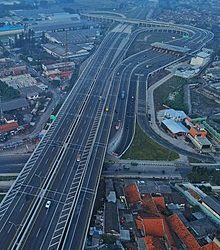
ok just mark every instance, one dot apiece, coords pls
pixel 175 127
pixel 212 203
pixel 14 104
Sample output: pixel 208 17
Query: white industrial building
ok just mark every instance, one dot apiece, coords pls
pixel 200 59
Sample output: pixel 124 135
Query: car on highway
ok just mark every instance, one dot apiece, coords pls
pixel 106 109
pixel 148 66
pixel 122 94
pixel 78 157
pixel 48 203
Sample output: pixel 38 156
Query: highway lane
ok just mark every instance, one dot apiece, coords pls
pixel 34 191
pixel 96 166
pixel 91 179
pixel 156 60
pixel 60 132
pixel 86 121
pixel 148 57
pixel 90 103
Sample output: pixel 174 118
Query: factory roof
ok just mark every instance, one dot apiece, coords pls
pixel 29 90
pixel 60 51
pixel 175 127
pixel 11 27
pixel 170 47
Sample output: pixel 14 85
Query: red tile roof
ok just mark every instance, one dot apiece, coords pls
pixel 8 127
pixel 183 233
pixel 132 194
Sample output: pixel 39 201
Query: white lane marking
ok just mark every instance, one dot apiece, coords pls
pixel 21 207
pixel 38 232
pixel 10 228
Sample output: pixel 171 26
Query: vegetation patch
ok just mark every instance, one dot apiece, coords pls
pixel 143 148
pixel 171 94
pixel 200 174
pixel 8 93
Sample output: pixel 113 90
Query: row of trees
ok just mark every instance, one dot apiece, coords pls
pixel 200 174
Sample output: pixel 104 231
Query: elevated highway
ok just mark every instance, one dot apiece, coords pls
pixel 66 165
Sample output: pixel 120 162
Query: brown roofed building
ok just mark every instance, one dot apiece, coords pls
pixel 186 237
pixel 7 127
pixel 132 194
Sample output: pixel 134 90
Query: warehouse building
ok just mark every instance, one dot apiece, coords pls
pixel 7 30
pixel 19 103
pixel 174 128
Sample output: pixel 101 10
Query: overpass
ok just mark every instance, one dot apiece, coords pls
pixel 185 30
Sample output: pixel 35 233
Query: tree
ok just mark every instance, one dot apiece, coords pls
pixel 7 92
pixel 109 239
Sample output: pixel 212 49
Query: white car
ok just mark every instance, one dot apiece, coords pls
pixel 78 157
pixel 48 204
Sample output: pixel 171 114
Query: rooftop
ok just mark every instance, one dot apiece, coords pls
pixel 14 104
pixel 203 140
pixel 175 127
pixel 203 54
pixel 19 81
pixel 172 113
pixel 212 203
pixel 8 127
pixel 111 223
pixel 11 27
pixel 132 193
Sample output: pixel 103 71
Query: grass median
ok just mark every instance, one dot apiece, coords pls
pixel 144 148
